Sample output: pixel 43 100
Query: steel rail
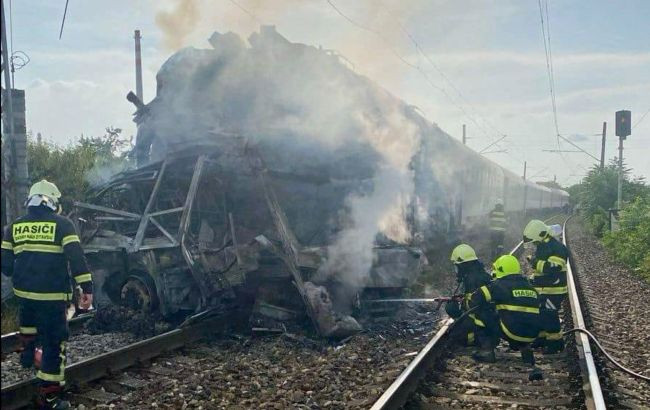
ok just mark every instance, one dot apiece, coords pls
pixel 400 390
pixel 11 341
pixel 22 394
pixel 591 384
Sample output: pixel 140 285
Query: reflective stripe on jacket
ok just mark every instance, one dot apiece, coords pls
pixel 550 263
pixel 36 252
pixel 517 306
pixel 497 220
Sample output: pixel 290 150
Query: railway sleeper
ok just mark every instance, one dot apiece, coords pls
pixel 456 399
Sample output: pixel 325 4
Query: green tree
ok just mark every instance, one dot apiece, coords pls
pixel 631 243
pixel 77 167
pixel 597 193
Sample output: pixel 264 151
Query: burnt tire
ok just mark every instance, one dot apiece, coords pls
pixel 138 292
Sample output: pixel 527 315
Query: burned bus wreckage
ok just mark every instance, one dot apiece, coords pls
pixel 272 176
pixel 207 226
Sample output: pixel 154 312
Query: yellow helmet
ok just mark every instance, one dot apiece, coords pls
pixel 506 265
pixel 45 188
pixel 536 231
pixel 463 253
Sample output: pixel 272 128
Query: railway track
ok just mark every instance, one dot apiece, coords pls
pixel 571 377
pixel 22 394
pixel 11 342
pixel 442 376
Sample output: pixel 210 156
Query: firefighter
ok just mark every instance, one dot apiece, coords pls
pixel 36 251
pixel 549 280
pixel 497 229
pixel 517 305
pixel 476 328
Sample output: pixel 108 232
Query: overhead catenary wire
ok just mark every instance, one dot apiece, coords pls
pixel 420 50
pixel 65 12
pixel 546 37
pixel 641 119
pixel 250 14
pixel 406 62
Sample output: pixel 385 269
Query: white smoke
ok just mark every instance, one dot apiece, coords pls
pixel 306 109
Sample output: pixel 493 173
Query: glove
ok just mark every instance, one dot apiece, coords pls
pixel 453 309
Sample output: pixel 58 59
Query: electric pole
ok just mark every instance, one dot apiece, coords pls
pixel 525 188
pixel 464 136
pixel 602 146
pixel 8 119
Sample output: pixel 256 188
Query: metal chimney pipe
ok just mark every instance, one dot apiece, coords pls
pixel 138 66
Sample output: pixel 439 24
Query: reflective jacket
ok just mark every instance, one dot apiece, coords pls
pixel 516 303
pixel 550 262
pixel 498 219
pixel 36 251
pixel 473 276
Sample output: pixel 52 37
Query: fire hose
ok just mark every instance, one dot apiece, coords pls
pixel 585 331
pixel 607 355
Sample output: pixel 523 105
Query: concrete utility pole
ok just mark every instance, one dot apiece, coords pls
pixel 464 135
pixel 619 196
pixel 8 121
pixel 602 146
pixel 138 66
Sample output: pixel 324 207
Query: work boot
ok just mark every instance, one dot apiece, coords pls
pixel 484 356
pixel 536 374
pixel 50 398
pixel 54 403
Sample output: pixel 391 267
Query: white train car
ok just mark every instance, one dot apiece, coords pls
pixel 466 185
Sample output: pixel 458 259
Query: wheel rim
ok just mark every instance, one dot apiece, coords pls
pixel 137 295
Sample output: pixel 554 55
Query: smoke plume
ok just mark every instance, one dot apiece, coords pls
pixel 177 24
pixel 308 113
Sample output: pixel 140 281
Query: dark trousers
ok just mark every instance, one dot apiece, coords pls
pixel 45 322
pixel 551 332
pixel 468 333
pixel 496 243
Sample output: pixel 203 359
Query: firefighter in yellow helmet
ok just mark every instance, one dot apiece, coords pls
pixel 549 280
pixel 476 328
pixel 36 251
pixel 497 229
pixel 517 305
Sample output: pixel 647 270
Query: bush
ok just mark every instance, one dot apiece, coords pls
pixel 631 244
pixel 597 193
pixel 75 168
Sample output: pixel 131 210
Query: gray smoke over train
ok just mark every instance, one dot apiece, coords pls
pixel 308 114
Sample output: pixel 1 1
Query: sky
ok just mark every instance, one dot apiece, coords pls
pixel 476 62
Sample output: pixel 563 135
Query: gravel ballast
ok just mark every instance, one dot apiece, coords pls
pixel 618 314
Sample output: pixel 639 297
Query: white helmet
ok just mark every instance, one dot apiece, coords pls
pixel 44 193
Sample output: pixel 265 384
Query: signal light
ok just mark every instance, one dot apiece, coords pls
pixel 623 123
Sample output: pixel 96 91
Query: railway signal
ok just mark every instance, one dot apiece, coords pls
pixel 623 129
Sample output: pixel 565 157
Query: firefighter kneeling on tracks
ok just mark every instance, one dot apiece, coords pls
pixel 475 328
pixel 36 251
pixel 549 280
pixel 517 306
